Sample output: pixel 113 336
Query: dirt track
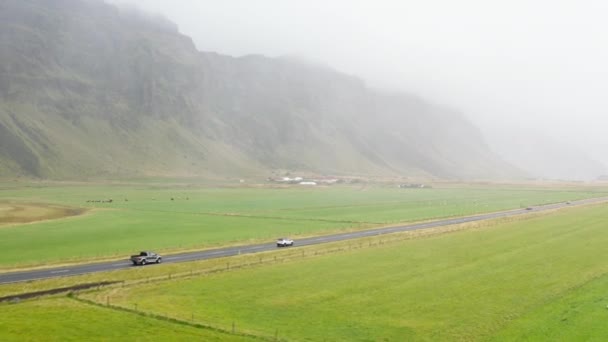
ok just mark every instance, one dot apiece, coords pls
pixel 13 212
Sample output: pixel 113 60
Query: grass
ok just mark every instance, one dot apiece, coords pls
pixel 577 316
pixel 168 217
pixel 64 319
pixel 470 285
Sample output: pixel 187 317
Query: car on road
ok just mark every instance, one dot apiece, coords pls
pixel 146 257
pixel 529 208
pixel 284 242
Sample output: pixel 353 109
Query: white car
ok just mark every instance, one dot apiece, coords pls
pixel 284 242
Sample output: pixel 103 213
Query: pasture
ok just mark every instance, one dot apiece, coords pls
pixel 538 278
pixel 116 220
pixel 64 319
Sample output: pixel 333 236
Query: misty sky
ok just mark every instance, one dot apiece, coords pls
pixel 541 64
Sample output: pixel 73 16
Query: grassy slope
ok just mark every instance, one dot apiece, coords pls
pixel 463 286
pixel 200 217
pixel 154 148
pixel 63 319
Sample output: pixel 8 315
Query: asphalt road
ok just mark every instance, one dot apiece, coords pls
pixel 46 273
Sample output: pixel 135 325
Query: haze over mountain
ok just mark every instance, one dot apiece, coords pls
pixel 543 157
pixel 534 66
pixel 88 90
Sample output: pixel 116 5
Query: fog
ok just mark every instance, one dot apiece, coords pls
pixel 535 66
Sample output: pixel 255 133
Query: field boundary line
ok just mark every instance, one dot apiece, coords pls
pixel 173 320
pixel 253 216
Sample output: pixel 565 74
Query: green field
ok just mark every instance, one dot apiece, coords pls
pixel 170 217
pixel 64 319
pixel 496 283
pixel 577 316
pixel 537 277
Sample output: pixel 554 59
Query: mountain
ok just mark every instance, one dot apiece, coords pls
pixel 90 90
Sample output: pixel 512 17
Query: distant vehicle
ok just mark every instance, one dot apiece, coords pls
pixel 284 242
pixel 568 202
pixel 529 208
pixel 146 258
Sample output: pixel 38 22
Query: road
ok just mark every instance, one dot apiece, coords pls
pixel 15 277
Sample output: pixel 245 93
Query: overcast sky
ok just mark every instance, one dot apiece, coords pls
pixel 539 64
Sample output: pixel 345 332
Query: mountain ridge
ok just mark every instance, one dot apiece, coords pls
pixel 89 90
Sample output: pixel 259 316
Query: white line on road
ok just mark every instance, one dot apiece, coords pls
pixel 173 258
pixel 213 253
pixel 60 271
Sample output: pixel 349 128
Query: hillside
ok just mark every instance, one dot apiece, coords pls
pixel 88 90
